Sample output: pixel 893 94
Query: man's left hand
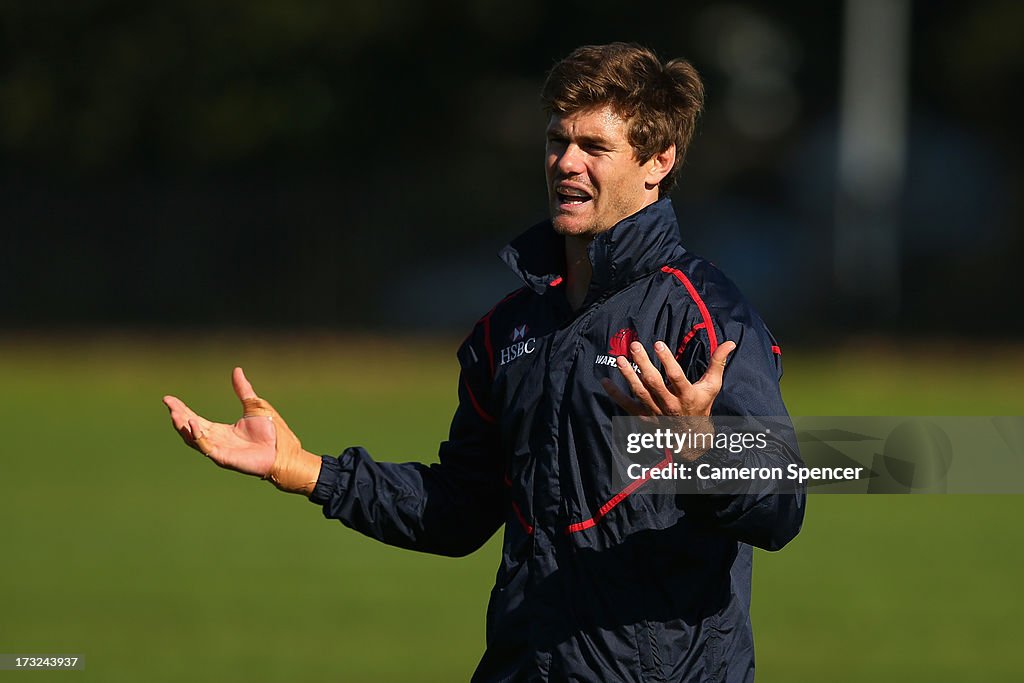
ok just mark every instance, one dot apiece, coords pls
pixel 673 394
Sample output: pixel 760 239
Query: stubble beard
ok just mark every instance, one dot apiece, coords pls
pixel 567 226
pixel 571 229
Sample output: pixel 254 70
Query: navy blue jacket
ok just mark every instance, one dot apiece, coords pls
pixel 596 583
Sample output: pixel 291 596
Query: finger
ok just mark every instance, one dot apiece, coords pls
pixel 635 385
pixel 651 377
pixel 712 378
pixel 180 413
pixel 630 405
pixel 243 389
pixel 675 378
pixel 199 437
pixel 183 418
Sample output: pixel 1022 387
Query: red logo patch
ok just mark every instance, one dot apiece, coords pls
pixel 619 344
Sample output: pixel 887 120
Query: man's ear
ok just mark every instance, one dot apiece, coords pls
pixel 659 166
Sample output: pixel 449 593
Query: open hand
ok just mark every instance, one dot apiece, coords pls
pixel 247 446
pixel 672 394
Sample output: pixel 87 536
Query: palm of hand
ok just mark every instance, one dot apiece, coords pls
pixel 249 445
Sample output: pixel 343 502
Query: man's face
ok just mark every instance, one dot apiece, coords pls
pixel 594 179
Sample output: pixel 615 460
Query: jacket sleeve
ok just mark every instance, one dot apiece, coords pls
pixel 764 513
pixel 448 508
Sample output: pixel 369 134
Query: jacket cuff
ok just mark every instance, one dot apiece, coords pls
pixel 714 458
pixel 330 471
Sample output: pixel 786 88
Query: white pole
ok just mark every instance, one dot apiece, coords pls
pixel 872 152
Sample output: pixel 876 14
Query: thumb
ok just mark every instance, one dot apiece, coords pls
pixel 243 389
pixel 713 376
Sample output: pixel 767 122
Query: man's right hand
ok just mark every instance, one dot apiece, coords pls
pixel 260 443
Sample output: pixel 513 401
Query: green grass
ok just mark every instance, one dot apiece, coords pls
pixel 124 546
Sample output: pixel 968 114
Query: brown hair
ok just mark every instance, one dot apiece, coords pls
pixel 660 101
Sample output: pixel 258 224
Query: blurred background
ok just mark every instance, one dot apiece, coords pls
pixel 316 190
pixel 855 169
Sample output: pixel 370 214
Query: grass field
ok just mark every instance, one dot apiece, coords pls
pixel 122 545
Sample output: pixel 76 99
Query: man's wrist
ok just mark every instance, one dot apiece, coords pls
pixel 298 473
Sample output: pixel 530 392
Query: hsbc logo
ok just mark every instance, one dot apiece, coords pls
pixel 521 344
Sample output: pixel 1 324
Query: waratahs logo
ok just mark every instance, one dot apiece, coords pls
pixel 618 345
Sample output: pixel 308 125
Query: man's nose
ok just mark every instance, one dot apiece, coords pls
pixel 571 161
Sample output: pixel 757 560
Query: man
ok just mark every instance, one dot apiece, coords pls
pixel 597 581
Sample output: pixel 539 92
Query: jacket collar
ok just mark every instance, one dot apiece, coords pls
pixel 632 248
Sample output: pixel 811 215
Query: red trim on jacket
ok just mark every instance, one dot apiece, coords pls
pixel 484 415
pixel 527 527
pixel 689 335
pixel 557 281
pixel 777 351
pixel 618 498
pixel 712 337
